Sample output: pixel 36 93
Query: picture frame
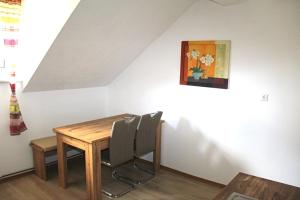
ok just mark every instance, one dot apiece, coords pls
pixel 205 63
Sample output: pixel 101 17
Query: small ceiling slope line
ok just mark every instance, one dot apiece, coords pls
pixel 228 2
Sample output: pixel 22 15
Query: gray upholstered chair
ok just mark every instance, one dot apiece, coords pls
pixel 121 150
pixel 145 138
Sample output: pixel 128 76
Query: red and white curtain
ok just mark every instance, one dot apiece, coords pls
pixel 10 14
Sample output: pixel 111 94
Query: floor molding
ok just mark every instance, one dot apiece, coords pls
pixel 21 173
pixel 31 170
pixel 220 185
pixel 14 175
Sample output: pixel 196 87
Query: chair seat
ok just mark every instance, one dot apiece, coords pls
pixel 112 187
pixel 136 175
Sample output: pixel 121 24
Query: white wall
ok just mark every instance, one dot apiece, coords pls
pixel 43 111
pixel 215 133
pixel 99 41
pixel 41 23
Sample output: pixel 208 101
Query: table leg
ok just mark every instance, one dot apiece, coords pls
pixel 62 162
pixel 93 171
pixel 157 152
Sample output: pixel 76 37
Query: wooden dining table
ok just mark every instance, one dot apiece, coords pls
pixel 92 137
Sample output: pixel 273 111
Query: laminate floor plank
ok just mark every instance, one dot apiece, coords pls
pixel 165 186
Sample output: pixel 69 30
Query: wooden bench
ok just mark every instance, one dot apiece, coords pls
pixel 41 148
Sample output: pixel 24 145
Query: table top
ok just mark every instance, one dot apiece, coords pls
pixel 91 131
pixel 259 188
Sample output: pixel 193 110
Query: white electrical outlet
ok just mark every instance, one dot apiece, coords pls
pixel 265 97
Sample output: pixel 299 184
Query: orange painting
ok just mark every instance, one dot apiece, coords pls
pixel 205 63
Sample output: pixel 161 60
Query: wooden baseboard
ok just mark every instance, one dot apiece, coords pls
pixel 186 175
pixel 31 170
pixel 220 185
pixel 16 175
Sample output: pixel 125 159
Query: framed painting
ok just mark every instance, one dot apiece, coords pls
pixel 205 63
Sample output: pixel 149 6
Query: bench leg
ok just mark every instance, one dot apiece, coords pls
pixel 39 163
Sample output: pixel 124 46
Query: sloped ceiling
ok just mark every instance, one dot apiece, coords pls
pixel 228 2
pixel 100 39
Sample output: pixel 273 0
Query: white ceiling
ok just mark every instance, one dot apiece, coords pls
pixel 100 39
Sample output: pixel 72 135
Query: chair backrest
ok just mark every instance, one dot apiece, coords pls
pixel 146 132
pixel 121 146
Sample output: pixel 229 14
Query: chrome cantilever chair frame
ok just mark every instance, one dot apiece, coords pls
pixel 121 149
pixel 145 139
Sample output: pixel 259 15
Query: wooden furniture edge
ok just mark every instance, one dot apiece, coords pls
pixel 262 178
pixel 196 178
pixel 157 151
pixel 250 185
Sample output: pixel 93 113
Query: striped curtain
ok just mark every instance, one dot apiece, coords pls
pixel 10 13
pixel 17 124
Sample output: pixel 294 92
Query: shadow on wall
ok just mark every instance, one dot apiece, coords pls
pixel 187 149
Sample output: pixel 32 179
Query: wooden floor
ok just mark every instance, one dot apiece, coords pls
pixel 165 186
